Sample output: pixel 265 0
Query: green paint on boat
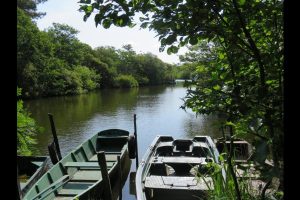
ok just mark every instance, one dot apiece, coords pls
pixel 78 175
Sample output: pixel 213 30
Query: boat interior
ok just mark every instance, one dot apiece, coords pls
pixel 173 169
pixel 80 170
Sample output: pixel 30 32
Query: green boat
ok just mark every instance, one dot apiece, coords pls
pixel 78 174
pixel 169 167
pixel 30 170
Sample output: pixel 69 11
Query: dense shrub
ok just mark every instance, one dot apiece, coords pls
pixel 126 81
pixel 26 128
pixel 89 78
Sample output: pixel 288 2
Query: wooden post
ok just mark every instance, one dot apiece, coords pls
pixel 136 143
pixel 120 174
pixel 105 176
pixel 54 136
pixel 52 153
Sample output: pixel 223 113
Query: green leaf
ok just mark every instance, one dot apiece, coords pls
pixel 222 76
pixel 216 87
pixel 98 19
pixel 207 91
pixel 106 23
pixel 144 25
pixel 172 49
pixel 221 56
pixel 86 16
pixel 19 91
pixel 230 124
pixel 193 40
pixel 268 33
pixel 242 2
pixel 214 75
pixel 89 9
pixel 171 39
pixel 85 1
pixel 120 22
pixel 228 100
pixel 200 69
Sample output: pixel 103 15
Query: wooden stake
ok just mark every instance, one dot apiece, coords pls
pixel 105 176
pixel 54 136
pixel 136 143
pixel 120 174
pixel 52 153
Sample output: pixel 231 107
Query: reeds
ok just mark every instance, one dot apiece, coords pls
pixel 220 182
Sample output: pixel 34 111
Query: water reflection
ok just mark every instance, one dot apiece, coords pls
pixel 79 117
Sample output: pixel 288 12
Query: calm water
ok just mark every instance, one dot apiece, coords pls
pixel 158 112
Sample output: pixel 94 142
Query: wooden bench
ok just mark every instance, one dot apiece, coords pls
pixel 169 182
pixel 53 186
pixel 109 157
pixel 87 176
pixel 179 160
pixel 74 188
pixel 113 137
pixel 89 165
pixel 181 165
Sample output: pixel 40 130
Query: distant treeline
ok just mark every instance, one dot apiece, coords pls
pixel 54 62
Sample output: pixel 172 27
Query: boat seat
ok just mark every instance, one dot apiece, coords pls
pixel 181 165
pixel 113 137
pixel 181 160
pixel 171 182
pixel 87 176
pixel 74 188
pixel 109 157
pixel 92 165
pixel 53 186
pixel 182 145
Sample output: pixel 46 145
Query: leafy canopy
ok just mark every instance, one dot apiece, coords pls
pixel 242 76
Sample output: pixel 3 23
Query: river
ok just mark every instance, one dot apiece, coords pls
pixel 79 117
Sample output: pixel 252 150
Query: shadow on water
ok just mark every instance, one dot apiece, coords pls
pixel 79 117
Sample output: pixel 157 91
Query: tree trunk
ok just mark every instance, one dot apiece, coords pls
pixel 229 161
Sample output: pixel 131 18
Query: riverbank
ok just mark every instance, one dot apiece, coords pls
pixel 78 117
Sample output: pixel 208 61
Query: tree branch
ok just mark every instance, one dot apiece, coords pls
pixel 253 47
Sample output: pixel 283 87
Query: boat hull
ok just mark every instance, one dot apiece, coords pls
pixel 33 167
pixel 169 168
pixel 78 174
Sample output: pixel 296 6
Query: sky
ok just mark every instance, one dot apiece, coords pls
pixel 66 12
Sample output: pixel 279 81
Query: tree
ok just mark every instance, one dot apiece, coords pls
pixel 108 55
pixel 67 45
pixel 54 62
pixel 34 49
pixel 245 75
pixel 30 7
